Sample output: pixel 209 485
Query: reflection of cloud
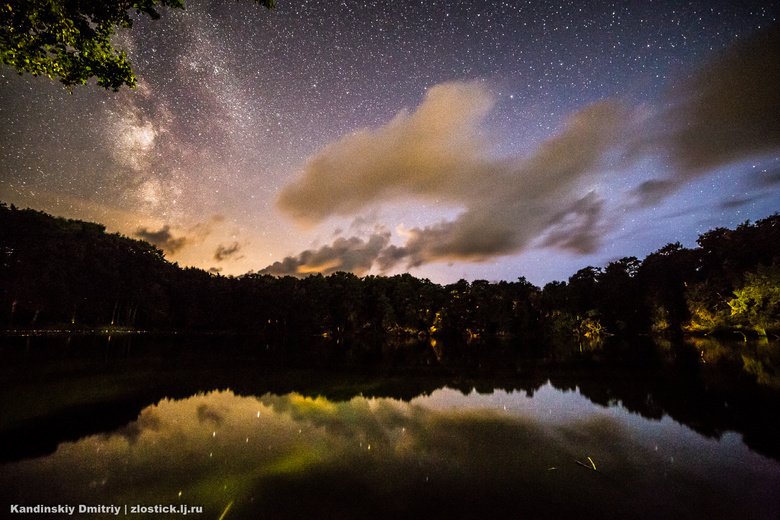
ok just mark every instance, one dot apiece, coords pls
pixel 163 238
pixel 300 454
pixel 344 254
pixel 208 413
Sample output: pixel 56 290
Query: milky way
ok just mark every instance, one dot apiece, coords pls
pixel 447 139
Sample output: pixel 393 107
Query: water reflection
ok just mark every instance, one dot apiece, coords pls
pixel 448 454
pixel 758 357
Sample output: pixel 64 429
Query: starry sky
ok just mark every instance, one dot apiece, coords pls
pixel 448 139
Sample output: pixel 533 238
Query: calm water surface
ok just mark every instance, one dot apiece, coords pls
pixel 449 453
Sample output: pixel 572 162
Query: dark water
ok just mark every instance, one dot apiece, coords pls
pixel 244 429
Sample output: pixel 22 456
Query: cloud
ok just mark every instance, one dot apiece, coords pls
pixel 578 228
pixel 225 252
pixel 654 191
pixel 163 238
pixel 173 241
pixel 725 113
pixel 432 151
pixel 201 230
pixel 737 203
pixel 768 177
pixel 731 108
pixel 438 152
pixel 479 236
pixel 344 254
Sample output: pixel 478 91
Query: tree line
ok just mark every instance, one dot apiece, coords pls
pixel 62 273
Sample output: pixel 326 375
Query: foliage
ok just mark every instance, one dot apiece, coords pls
pixel 56 271
pixel 70 40
pixel 564 324
pixel 590 326
pixel 708 310
pixel 733 286
pixel 757 302
pixel 659 320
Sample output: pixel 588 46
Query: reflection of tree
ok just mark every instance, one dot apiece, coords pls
pixel 710 398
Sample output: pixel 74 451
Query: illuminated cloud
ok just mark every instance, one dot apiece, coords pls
pixel 725 113
pixel 173 240
pixel 344 254
pixel 225 252
pixel 434 151
pixel 163 238
pixel 438 153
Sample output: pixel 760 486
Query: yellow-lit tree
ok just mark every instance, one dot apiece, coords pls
pixel 757 303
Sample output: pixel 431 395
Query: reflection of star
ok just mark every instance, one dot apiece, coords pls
pixel 168 433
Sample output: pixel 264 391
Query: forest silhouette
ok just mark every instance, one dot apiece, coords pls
pixel 63 274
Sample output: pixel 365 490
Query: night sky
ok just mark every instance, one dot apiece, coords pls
pixel 448 139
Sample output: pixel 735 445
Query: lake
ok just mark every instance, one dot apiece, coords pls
pixel 240 429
